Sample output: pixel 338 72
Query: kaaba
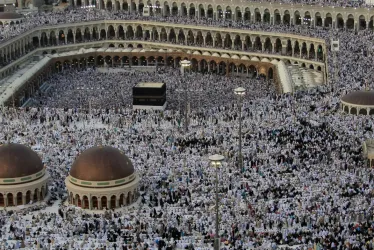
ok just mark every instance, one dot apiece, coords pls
pixel 149 95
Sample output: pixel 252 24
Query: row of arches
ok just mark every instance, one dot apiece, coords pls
pixel 242 42
pixel 357 110
pixel 102 202
pixel 198 64
pixel 4 23
pixel 22 198
pixel 240 13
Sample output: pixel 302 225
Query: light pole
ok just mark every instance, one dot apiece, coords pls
pixel 185 64
pixel 240 92
pixel 215 161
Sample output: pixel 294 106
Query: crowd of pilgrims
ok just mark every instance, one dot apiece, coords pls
pixel 304 183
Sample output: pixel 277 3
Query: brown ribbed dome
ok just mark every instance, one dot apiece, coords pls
pixel 17 160
pixel 101 164
pixel 10 15
pixel 365 98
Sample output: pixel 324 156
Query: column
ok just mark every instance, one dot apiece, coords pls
pixel 66 38
pixel 74 32
pixel 15 200
pixel 99 203
pixel 232 43
pixel 273 48
pixel 108 203
pixel 243 44
pixel 263 46
pixel 117 202
pixel 23 199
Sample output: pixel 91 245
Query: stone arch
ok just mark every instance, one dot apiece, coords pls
pixel 113 201
pixel 19 199
pixel 163 35
pixel 350 22
pixel 346 109
pixel 304 49
pixel 257 15
pixel 266 16
pixel 362 22
pixel 209 39
pixel 166 9
pixel 371 23
pixel 95 203
pixel 354 111
pixel 252 71
pixel 139 32
pixel 10 200
pixel 247 14
pixel 78 35
pixel 199 38
pixel 109 5
pixel 121 199
pixel 108 60
pixel 247 43
pixel 174 9
pixel 307 18
pixel 286 17
pixel 219 12
pixel 268 47
pixel 237 43
pixel 202 11
pixel 183 9
pixel 192 10
pixel 121 32
pixel 2 203
pixel 28 197
pixel 100 60
pixel 210 11
pixel 190 37
pixel 339 21
pixel 318 19
pixel 238 14
pixel 227 41
pixel 328 20
pixel 228 13
pixel 111 32
pixel 102 34
pixel 257 44
pixel 125 6
pixel 130 32
pixel 104 202
pixel 363 111
pixel 86 204
pixel 277 17
pixel 278 46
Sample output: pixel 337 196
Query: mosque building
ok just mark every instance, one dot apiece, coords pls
pixel 23 177
pixel 358 102
pixel 102 177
